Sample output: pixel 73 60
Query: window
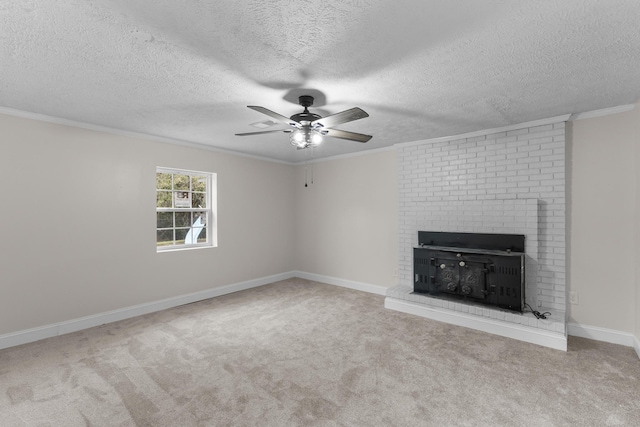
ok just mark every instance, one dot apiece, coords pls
pixel 185 208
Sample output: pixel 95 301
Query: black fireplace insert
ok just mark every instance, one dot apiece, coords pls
pixel 476 267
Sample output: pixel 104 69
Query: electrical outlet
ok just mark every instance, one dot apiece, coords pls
pixel 573 297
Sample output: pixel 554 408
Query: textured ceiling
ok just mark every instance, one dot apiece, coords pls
pixel 186 70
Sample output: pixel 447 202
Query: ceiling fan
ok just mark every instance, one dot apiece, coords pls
pixel 307 129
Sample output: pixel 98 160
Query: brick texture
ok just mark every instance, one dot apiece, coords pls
pixel 508 182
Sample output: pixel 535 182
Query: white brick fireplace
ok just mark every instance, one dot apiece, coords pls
pixel 509 181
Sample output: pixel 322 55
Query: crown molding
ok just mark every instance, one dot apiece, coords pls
pixel 541 122
pixel 602 112
pixel 165 140
pixel 130 134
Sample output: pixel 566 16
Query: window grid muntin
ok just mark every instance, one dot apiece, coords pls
pixel 176 241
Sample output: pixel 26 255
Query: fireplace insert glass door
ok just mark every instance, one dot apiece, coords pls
pixel 488 279
pixel 461 277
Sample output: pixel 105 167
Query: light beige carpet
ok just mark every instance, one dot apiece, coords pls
pixel 299 353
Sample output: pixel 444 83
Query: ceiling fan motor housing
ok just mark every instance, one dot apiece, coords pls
pixel 305 117
pixel 305 100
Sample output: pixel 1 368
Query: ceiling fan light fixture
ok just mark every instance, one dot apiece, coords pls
pixel 297 138
pixel 315 137
pixel 303 138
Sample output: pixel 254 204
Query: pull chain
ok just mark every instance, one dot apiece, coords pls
pixel 312 153
pixel 306 165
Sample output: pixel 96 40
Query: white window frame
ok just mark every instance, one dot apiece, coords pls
pixel 211 210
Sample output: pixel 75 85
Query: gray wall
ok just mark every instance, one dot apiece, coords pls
pixel 78 215
pixel 603 196
pixel 346 221
pixel 604 218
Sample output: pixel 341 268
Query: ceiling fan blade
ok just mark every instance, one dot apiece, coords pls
pixel 339 118
pixel 343 134
pixel 264 131
pixel 273 114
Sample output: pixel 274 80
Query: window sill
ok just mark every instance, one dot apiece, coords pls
pixel 186 248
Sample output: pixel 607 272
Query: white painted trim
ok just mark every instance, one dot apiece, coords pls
pixel 555 340
pixel 131 134
pixel 602 112
pixel 541 122
pixel 48 331
pixel 600 334
pixel 162 139
pixel 359 286
pixel 519 332
pixel 348 155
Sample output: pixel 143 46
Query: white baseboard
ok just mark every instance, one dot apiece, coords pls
pixel 48 331
pixel 544 338
pixel 523 333
pixel 359 286
pixel 601 334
